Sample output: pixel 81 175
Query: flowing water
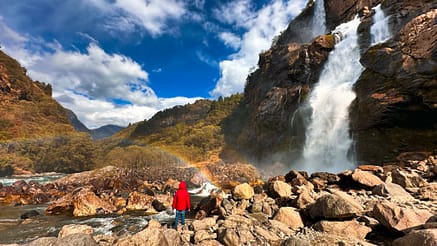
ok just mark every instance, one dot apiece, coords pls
pixel 13 229
pixel 380 30
pixel 40 178
pixel 319 18
pixel 327 140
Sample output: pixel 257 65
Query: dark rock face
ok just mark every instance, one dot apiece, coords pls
pixel 395 108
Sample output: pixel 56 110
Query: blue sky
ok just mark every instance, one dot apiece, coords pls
pixel 121 61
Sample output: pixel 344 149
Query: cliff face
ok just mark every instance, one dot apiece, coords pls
pixel 27 109
pixel 396 93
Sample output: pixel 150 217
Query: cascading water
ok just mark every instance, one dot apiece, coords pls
pixel 319 18
pixel 380 30
pixel 327 136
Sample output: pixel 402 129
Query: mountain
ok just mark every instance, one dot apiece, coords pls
pixel 96 134
pixel 395 108
pixel 27 107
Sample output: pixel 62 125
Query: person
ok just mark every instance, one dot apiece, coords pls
pixel 181 203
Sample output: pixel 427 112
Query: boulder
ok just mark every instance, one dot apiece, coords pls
pixel 243 191
pixel 76 239
pixel 268 236
pixel 427 237
pixel 86 203
pixel 230 237
pixel 63 205
pixel 139 201
pixel 279 189
pixel 428 192
pixel 204 224
pixel 400 219
pixel 73 229
pixel 282 227
pixel 366 179
pixel 42 241
pixel 344 228
pixel 290 217
pixel 394 191
pixel 407 179
pixel 335 206
pixel 202 235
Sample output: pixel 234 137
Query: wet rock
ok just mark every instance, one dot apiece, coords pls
pixel 75 240
pixel 243 191
pixel 397 218
pixel 427 237
pixel 290 217
pixel 366 179
pixel 73 228
pixel 158 206
pixel 64 205
pixel 335 206
pixel 279 189
pixel 138 201
pixel 344 228
pixel 29 214
pixel 86 203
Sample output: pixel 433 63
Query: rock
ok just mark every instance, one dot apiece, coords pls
pixel 230 237
pixel 73 228
pixel 335 206
pixel 172 237
pixel 42 241
pixel 371 168
pixel 64 205
pixel 303 200
pixel 158 206
pixel 366 178
pixel 427 237
pixel 282 227
pixel 86 203
pixel 29 214
pixel 295 241
pixel 269 237
pixel 296 178
pixel 396 218
pixel 202 235
pixel 204 224
pixel 344 228
pixel 75 240
pixel 104 240
pixel 289 216
pixel 279 189
pixel 330 178
pixel 394 191
pixel 138 201
pixel 407 179
pixel 243 191
pixel 428 192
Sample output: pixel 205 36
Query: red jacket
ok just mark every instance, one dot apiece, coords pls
pixel 181 199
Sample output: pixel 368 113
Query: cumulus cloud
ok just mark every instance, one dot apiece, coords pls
pixel 152 15
pixel 260 28
pixel 89 82
pixel 230 39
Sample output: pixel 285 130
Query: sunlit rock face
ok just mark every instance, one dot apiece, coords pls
pixel 394 108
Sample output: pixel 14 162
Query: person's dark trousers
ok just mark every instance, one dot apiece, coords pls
pixel 180 214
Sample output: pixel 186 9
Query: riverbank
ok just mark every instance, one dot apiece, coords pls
pixel 371 205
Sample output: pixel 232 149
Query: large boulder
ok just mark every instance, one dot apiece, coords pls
pixel 427 237
pixel 393 191
pixel 72 229
pixel 344 228
pixel 365 178
pixel 280 189
pixel 243 191
pixel 289 216
pixel 335 206
pixel 86 203
pixel 398 218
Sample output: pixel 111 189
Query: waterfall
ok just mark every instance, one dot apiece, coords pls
pixel 327 140
pixel 319 18
pixel 380 30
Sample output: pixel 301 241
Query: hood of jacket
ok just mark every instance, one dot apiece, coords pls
pixel 182 185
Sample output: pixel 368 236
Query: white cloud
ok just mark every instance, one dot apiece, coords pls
pixel 88 82
pixel 261 26
pixel 230 39
pixel 152 15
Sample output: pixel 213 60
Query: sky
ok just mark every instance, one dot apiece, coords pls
pixel 121 61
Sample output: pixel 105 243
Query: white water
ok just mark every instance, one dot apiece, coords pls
pixel 205 190
pixel 319 18
pixel 380 30
pixel 327 136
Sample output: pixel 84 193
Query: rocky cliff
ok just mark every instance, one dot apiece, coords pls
pixel 395 108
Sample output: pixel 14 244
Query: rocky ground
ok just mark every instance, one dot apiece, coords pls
pixel 394 204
